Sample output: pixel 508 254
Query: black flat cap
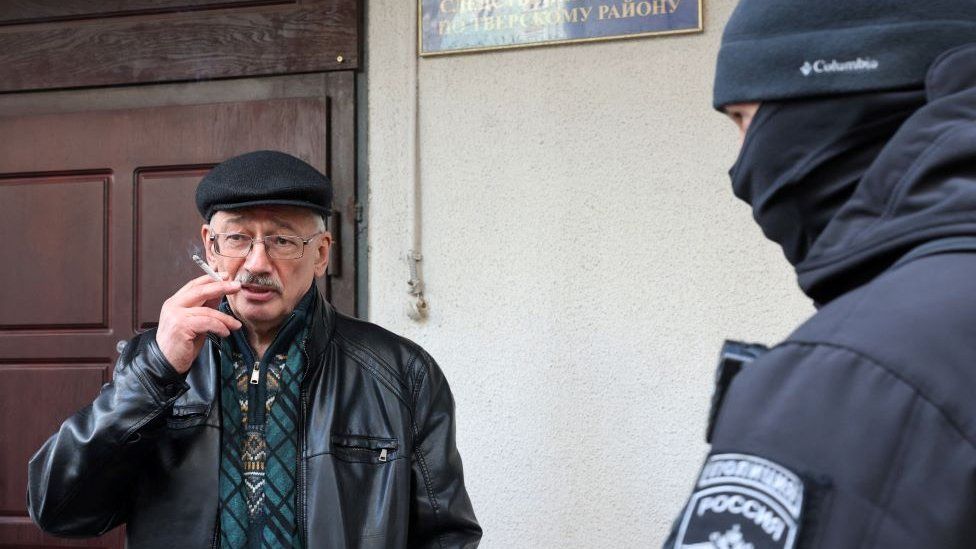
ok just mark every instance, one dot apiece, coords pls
pixel 261 178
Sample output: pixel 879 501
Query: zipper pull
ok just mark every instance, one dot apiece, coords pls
pixel 256 372
pixel 383 455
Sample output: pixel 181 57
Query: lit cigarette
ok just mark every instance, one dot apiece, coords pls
pixel 206 268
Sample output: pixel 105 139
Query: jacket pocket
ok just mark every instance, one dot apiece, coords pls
pixel 364 449
pixel 190 415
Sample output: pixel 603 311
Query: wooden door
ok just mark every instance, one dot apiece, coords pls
pixel 99 221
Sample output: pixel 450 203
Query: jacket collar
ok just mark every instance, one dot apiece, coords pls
pixel 321 327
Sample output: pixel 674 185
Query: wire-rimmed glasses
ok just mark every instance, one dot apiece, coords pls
pixel 278 246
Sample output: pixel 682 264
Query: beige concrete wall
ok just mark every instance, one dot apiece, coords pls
pixel 584 260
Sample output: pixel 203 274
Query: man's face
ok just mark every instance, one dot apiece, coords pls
pixel 742 114
pixel 271 288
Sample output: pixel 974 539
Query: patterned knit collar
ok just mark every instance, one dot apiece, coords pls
pixel 292 325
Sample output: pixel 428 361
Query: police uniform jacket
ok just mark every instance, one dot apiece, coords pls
pixel 859 430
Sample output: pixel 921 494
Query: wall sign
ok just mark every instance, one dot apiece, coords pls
pixel 458 26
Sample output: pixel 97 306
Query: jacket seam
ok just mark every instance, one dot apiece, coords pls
pixel 371 369
pixel 146 383
pixel 430 492
pixel 417 381
pixel 894 473
pixel 160 402
pixel 426 472
pixel 394 372
pixel 157 353
pixel 893 373
pixel 140 424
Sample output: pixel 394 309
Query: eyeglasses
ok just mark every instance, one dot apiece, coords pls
pixel 278 246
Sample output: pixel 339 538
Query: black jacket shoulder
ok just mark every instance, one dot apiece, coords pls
pixel 399 363
pixel 916 322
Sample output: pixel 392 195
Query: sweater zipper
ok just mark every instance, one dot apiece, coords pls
pixel 256 373
pixel 257 393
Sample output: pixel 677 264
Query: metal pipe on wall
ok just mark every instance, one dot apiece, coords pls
pixel 417 307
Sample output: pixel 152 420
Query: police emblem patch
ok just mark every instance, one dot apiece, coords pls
pixel 742 502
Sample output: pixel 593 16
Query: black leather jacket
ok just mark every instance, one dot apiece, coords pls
pixel 145 453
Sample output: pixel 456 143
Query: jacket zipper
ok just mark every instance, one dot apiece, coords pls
pixel 303 396
pixel 215 341
pixel 384 453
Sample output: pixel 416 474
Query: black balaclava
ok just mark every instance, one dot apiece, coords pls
pixel 802 159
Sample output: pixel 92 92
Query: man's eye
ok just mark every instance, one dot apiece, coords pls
pixel 236 238
pixel 283 241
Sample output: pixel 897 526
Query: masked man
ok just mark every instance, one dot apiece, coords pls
pixel 270 420
pixel 859 160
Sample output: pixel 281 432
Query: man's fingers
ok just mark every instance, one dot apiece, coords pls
pixel 226 319
pixel 202 324
pixel 197 295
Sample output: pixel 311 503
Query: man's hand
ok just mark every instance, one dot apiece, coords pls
pixel 187 316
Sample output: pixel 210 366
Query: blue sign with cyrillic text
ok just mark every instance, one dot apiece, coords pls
pixel 454 26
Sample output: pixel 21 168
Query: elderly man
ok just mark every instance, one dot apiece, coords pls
pixel 858 160
pixel 270 420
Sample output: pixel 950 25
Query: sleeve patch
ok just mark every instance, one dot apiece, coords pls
pixel 742 502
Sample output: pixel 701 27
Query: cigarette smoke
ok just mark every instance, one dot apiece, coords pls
pixel 193 248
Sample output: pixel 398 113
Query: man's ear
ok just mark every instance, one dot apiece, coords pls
pixel 322 248
pixel 205 237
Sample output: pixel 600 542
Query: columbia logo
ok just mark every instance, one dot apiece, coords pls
pixel 822 66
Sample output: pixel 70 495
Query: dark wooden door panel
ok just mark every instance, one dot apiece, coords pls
pixel 168 227
pixel 34 399
pixel 56 245
pixel 98 212
pixel 55 44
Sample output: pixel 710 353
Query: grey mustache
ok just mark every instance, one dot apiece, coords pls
pixel 246 277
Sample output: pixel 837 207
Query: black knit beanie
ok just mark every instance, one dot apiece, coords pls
pixel 786 49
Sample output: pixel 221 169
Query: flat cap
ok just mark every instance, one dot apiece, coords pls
pixel 263 178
